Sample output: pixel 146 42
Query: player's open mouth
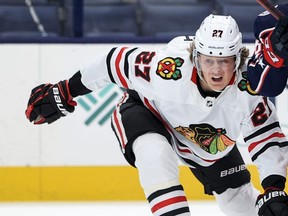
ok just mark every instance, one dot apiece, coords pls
pixel 217 79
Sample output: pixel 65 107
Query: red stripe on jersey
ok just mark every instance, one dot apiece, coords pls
pixel 209 160
pixel 184 150
pixel 123 99
pixel 119 129
pixel 116 120
pixel 167 202
pixel 155 112
pixel 254 144
pixel 117 65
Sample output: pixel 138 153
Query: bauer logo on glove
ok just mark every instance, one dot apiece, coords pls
pixel 59 101
pixel 273 202
pixel 49 102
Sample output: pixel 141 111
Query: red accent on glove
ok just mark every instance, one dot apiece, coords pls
pixel 269 54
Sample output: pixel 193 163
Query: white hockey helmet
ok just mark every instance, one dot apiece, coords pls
pixel 218 36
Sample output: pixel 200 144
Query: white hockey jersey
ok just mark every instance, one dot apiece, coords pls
pixel 205 129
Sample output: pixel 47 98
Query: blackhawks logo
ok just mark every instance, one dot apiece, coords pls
pixel 206 137
pixel 168 68
pixel 244 85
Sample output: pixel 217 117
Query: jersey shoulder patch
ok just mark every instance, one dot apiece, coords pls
pixel 243 83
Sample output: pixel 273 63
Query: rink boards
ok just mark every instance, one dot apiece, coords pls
pixel 86 184
pixel 78 157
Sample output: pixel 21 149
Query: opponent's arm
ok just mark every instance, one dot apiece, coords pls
pixel 264 79
pixel 272 33
pixel 268 69
pixel 276 45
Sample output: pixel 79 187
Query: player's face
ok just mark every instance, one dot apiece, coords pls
pixel 216 71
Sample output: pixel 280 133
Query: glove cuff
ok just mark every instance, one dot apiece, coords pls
pixel 274 181
pixel 76 86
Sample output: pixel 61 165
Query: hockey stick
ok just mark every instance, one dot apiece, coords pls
pixel 36 18
pixel 271 8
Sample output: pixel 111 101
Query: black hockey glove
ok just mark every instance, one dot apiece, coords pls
pixel 49 102
pixel 273 202
pixel 276 44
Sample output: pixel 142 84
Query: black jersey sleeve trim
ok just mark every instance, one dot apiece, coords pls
pixel 126 63
pixel 76 86
pixel 268 145
pixel 164 191
pixel 262 130
pixel 108 63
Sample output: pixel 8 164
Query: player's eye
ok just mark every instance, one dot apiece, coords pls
pixel 209 61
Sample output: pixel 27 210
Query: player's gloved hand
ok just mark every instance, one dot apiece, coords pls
pixel 273 202
pixel 276 44
pixel 49 102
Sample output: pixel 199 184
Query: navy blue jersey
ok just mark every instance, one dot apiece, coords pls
pixel 265 79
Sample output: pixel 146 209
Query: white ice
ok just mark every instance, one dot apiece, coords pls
pixel 204 208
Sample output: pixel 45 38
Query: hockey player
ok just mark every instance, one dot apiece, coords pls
pixel 271 54
pixel 191 101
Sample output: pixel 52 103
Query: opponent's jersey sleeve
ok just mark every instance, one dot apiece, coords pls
pixel 266 142
pixel 264 79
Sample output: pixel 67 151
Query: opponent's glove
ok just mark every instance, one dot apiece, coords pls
pixel 49 102
pixel 276 44
pixel 273 202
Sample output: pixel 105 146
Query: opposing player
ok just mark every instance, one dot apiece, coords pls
pixel 271 54
pixel 191 101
